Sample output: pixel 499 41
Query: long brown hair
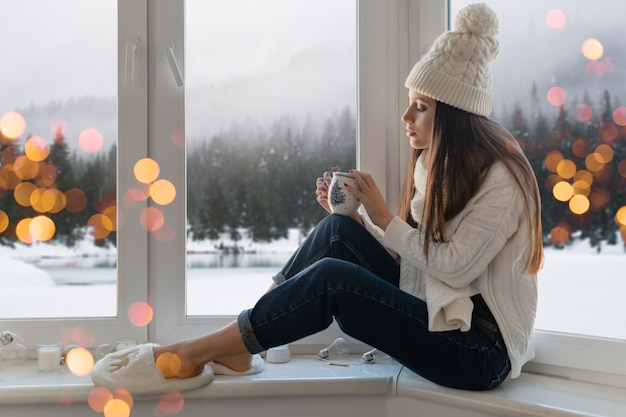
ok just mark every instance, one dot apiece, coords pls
pixel 466 148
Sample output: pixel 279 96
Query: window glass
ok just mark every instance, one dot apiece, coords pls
pixel 270 104
pixel 58 136
pixel 558 85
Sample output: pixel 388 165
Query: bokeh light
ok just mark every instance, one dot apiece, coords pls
pixel 75 200
pixel 556 19
pixel 98 398
pixel 619 116
pixel 580 148
pixel 37 148
pixel 151 219
pixel 621 168
pixel 599 198
pixel 608 132
pixel 171 402
pixel 579 204
pixel 42 228
pixel 25 168
pixel 604 153
pixel 559 235
pixel 79 361
pixel 620 216
pixel 169 364
pixel 100 225
pixel 583 113
pixel 566 168
pixel 563 191
pixel 12 125
pixel 22 230
pixel 556 96
pixel 162 192
pixel 146 170
pixel 593 162
pixel 4 221
pixel 116 408
pixel 23 192
pixel 90 140
pixel 581 187
pixel 552 160
pixel 592 49
pixel 140 313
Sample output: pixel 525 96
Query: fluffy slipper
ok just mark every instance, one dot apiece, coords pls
pixel 257 365
pixel 134 370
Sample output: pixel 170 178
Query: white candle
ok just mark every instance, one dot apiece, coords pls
pixel 49 357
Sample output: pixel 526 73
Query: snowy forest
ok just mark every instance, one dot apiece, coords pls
pixel 264 184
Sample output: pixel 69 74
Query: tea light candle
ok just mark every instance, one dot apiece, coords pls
pixel 49 357
pixel 125 342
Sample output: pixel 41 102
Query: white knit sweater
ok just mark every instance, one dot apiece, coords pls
pixel 486 249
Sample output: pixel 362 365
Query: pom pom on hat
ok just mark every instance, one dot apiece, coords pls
pixel 456 70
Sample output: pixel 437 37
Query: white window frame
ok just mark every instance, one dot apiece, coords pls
pixel 132 239
pixel 392 35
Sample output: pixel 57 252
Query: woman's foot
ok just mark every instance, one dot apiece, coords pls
pixel 178 360
pixel 237 363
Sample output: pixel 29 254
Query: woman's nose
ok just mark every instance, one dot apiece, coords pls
pixel 407 117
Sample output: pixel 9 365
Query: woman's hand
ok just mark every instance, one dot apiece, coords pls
pixel 371 199
pixel 322 185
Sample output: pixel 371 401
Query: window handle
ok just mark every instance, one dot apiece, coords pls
pixel 129 61
pixel 171 58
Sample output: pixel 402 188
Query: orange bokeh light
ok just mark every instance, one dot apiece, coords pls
pixel 580 147
pixel 75 200
pixel 579 204
pixel 116 408
pixel 22 231
pixel 79 361
pixel 4 221
pixel 559 235
pixel 146 170
pixel 563 191
pixel 23 192
pixel 98 398
pixel 566 168
pixel 12 125
pixel 90 140
pixel 162 192
pixel 42 228
pixel 101 226
pixel 37 148
pixel 552 160
pixel 169 364
pixel 620 216
pixel 25 168
pixel 140 313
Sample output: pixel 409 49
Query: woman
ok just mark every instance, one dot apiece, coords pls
pixel 448 287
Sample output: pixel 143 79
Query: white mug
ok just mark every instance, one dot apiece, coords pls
pixel 340 200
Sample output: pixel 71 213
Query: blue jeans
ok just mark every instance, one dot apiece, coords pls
pixel 342 272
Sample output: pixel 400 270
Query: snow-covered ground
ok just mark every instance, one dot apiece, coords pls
pixel 580 291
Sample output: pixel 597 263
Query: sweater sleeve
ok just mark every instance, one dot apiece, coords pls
pixel 473 238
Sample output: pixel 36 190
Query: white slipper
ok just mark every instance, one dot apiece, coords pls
pixel 134 369
pixel 257 365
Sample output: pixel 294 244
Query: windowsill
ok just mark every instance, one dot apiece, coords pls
pixel 530 395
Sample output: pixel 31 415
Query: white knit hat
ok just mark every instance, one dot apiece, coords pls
pixel 456 69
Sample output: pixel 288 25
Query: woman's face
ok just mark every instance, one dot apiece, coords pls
pixel 420 119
